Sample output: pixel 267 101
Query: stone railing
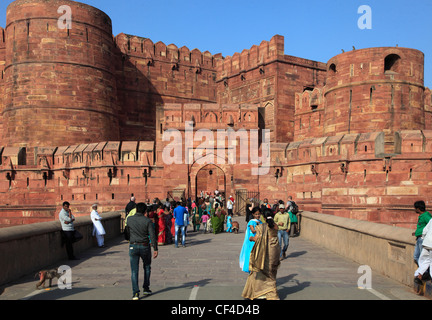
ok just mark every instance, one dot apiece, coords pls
pixel 30 248
pixel 385 249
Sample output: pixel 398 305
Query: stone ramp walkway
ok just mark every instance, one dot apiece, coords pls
pixel 208 269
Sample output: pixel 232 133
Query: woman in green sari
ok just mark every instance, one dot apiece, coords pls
pixel 217 219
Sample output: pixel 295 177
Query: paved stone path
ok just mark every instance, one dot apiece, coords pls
pixel 207 269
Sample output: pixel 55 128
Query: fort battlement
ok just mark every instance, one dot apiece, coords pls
pixel 350 175
pixel 82 174
pixel 256 56
pixel 144 48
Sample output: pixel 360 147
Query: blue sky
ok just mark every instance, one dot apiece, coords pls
pixel 313 29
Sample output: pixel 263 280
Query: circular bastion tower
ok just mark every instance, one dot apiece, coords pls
pixel 375 89
pixel 60 85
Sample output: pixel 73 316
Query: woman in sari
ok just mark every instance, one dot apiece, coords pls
pixel 172 221
pixel 168 225
pixel 195 217
pixel 208 206
pixel 162 225
pixel 247 243
pixel 217 220
pixel 264 262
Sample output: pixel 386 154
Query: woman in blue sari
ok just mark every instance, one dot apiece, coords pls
pixel 247 244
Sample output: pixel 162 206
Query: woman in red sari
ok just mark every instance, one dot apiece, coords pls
pixel 161 225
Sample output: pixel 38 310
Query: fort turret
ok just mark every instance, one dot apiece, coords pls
pixel 59 83
pixel 375 89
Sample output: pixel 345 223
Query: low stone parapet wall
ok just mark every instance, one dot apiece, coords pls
pixel 30 248
pixel 385 249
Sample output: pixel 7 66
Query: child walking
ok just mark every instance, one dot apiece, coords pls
pixel 204 220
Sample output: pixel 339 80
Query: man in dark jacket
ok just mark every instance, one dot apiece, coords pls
pixel 141 236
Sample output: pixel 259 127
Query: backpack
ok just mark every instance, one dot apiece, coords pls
pixel 126 233
pixel 295 208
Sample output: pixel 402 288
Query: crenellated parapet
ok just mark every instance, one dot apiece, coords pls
pixel 412 144
pixel 104 154
pixel 253 58
pixel 351 175
pixel 345 147
pixel 149 52
pixel 109 154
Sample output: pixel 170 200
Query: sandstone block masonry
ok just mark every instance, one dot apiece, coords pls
pixel 83 113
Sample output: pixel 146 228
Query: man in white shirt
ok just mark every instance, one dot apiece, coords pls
pixel 230 204
pixel 98 229
pixel 425 260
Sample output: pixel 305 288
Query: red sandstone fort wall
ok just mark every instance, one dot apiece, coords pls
pixel 375 89
pixel 190 175
pixel 350 175
pixel 265 76
pixel 106 173
pixel 152 74
pixel 2 75
pixel 367 90
pixel 83 114
pixel 346 175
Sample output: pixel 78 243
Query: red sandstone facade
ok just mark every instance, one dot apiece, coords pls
pixel 83 115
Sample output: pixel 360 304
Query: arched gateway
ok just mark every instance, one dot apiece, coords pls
pixel 210 178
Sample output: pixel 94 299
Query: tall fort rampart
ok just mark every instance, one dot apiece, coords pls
pixel 83 114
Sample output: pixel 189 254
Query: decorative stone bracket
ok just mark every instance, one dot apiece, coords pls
pixel 344 167
pixel 278 172
pixel 147 173
pixel 387 164
pixel 314 169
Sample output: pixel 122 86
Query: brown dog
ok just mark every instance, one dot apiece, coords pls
pixel 235 226
pixel 44 275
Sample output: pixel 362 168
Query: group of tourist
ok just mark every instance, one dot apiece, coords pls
pixel 266 241
pixel 265 245
pixel 158 223
pixel 173 217
pixel 266 237
pixel 163 222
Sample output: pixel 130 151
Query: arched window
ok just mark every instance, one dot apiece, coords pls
pixel 332 68
pixel 391 63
